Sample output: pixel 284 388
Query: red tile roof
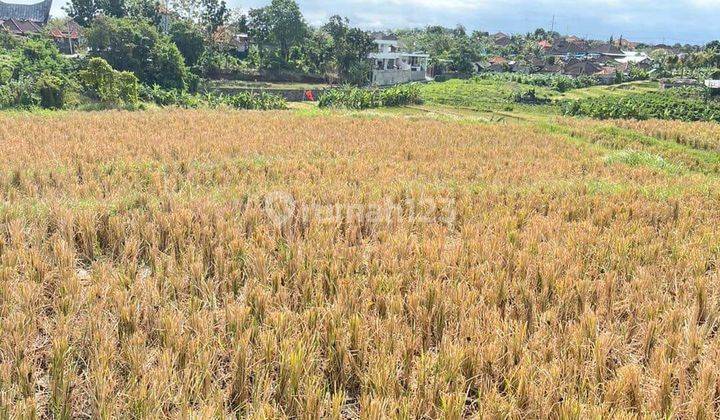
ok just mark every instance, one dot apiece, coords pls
pixel 497 60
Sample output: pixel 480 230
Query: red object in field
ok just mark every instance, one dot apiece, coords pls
pixel 309 96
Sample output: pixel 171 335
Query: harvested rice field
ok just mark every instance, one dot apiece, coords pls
pixel 208 264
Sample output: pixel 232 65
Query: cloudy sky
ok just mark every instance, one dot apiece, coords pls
pixel 669 21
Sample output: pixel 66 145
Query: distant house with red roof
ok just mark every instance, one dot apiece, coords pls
pixel 67 37
pixel 497 60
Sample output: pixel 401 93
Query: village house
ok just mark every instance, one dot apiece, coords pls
pixel 571 47
pixel 501 40
pixel 582 68
pixel 499 64
pixel 67 37
pixel 545 45
pixel 238 44
pixel 392 66
pixel 607 75
pixel 606 50
pixel 551 69
pixel 637 59
pixel 604 60
pixel 24 19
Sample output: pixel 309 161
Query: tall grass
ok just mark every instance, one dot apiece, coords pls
pixel 140 274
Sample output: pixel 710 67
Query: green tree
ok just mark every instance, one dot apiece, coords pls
pixel 349 48
pixel 188 39
pixel 279 25
pixel 85 11
pixel 238 22
pixel 314 56
pixel 144 9
pixel 185 9
pixel 38 56
pixel 136 46
pixel 113 8
pixel 462 55
pixel 81 11
pixel 167 67
pixel 215 14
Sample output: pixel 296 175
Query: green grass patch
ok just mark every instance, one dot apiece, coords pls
pixel 642 158
pixel 486 95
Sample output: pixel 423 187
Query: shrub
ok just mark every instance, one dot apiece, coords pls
pixel 644 106
pixel 183 99
pixel 350 97
pixel 261 101
pixel 560 83
pixel 214 64
pixel 128 87
pixel 33 73
pixel 167 67
pixel 359 98
pixel 108 85
pixel 51 90
pixel 400 95
pixel 171 97
pixel 527 96
pixel 20 93
pixel 99 79
pixel 8 63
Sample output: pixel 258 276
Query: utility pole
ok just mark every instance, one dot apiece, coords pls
pixel 552 27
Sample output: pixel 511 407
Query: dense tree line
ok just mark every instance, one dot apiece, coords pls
pixel 126 33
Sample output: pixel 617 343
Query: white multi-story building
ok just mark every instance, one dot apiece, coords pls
pixel 391 66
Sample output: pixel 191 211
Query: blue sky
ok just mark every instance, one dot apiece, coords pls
pixel 684 21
